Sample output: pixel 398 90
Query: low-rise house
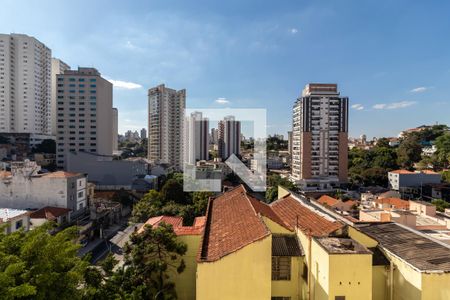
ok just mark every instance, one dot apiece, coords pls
pixel 25 188
pixel 59 215
pixel 14 219
pixel 391 203
pixel 337 204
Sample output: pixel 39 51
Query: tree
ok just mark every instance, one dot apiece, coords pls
pixel 383 143
pixel 173 191
pixel 275 180
pixel 149 206
pixel 200 202
pixel 409 151
pixel 37 265
pixel 443 149
pixel 47 146
pixel 150 258
pixel 440 204
pixel 374 176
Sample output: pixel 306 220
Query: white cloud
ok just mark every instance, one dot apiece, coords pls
pixel 293 30
pixel 419 89
pixel 124 84
pixel 222 101
pixel 358 106
pixel 394 105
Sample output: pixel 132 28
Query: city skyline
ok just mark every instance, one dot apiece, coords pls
pixel 394 81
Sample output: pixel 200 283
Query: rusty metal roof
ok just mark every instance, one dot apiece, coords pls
pixel 286 245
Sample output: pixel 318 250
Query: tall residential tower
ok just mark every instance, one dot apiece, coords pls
pixel 25 85
pixel 165 125
pixel 85 114
pixel 229 139
pixel 196 146
pixel 320 135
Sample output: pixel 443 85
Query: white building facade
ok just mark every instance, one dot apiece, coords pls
pixel 25 85
pixel 58 67
pixel 229 137
pixel 24 188
pixel 196 146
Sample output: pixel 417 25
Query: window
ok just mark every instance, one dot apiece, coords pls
pixel 80 194
pixel 280 298
pixel 339 298
pixel 19 224
pixel 281 268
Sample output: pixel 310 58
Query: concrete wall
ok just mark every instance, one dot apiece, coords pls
pixel 103 170
pixel 38 191
pixel 185 283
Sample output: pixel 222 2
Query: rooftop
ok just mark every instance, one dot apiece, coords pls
pixel 334 245
pixel 177 224
pixel 61 174
pixel 49 213
pixel 414 248
pixel 402 172
pixel 327 200
pixel 9 213
pixel 394 202
pixel 298 214
pixel 286 245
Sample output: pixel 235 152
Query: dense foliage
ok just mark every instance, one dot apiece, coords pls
pixel 171 201
pixel 150 258
pixel 38 265
pixel 273 181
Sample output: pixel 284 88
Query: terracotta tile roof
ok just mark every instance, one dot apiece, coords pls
pixel 402 172
pixel 327 200
pixel 231 224
pixel 177 224
pixel 4 174
pixel 49 213
pixel 267 211
pixel 395 202
pixel 61 174
pixel 296 214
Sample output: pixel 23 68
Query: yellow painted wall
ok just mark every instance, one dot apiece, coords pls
pixel 407 281
pixel 289 288
pixel 379 282
pixel 361 237
pixel 275 227
pixel 185 282
pixel 243 275
pixel 435 286
pixel 282 192
pixel 320 272
pixel 350 276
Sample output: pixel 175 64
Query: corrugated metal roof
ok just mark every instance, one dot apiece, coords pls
pixel 286 245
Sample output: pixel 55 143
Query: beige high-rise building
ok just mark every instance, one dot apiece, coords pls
pixel 320 137
pixel 58 67
pixel 84 114
pixel 25 85
pixel 115 129
pixel 165 125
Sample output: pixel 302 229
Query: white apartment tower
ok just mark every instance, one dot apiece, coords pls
pixel 165 125
pixel 229 137
pixel 84 114
pixel 58 67
pixel 196 138
pixel 25 85
pixel 320 137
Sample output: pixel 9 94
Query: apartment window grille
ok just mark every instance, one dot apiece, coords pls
pixel 281 268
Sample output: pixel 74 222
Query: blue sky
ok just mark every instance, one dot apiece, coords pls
pixel 391 58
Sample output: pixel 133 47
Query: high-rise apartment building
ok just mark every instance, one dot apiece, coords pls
pixel 165 125
pixel 143 133
pixel 214 136
pixel 320 137
pixel 115 129
pixel 25 85
pixel 84 114
pixel 229 139
pixel 58 67
pixel 196 136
